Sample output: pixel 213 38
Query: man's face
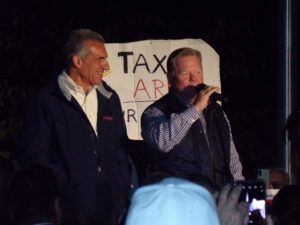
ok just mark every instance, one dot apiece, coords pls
pixel 188 74
pixel 94 64
pixel 277 180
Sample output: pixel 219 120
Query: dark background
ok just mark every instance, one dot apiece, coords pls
pixel 248 35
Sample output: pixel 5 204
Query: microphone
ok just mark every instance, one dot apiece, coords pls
pixel 214 96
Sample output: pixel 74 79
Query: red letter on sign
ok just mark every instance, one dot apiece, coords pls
pixel 143 88
pixel 156 87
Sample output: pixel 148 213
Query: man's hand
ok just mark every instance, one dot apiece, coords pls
pixel 232 212
pixel 202 99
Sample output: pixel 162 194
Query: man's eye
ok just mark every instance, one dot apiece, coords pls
pixel 184 74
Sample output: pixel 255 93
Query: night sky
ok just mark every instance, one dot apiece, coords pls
pixel 248 36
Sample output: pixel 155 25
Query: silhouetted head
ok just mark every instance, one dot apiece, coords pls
pixel 285 202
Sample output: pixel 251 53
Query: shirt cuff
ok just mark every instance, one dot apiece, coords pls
pixel 191 114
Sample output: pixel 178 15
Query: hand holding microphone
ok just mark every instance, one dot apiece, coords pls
pixel 214 96
pixel 206 94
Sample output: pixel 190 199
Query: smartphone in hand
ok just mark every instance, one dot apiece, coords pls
pixel 254 192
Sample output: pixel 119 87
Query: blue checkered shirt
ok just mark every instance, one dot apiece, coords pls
pixel 162 133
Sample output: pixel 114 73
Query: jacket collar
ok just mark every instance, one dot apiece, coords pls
pixel 66 84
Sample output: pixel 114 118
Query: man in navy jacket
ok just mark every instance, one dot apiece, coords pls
pixel 76 127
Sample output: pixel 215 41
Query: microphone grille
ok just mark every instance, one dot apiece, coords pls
pixel 200 87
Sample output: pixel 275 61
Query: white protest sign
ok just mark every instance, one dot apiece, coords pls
pixel 139 74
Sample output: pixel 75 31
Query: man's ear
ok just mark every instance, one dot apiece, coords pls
pixel 171 79
pixel 77 61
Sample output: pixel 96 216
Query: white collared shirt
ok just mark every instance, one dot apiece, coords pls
pixel 88 102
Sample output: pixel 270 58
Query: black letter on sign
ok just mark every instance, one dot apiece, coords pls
pixel 159 63
pixel 124 55
pixel 141 64
pixel 131 113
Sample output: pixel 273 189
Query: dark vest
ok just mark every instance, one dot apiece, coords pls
pixel 195 157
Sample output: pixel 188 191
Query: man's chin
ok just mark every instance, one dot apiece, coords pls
pixel 97 81
pixel 188 92
pixel 190 97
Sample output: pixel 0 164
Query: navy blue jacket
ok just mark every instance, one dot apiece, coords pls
pixel 92 172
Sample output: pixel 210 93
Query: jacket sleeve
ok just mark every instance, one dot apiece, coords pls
pixel 122 154
pixel 35 136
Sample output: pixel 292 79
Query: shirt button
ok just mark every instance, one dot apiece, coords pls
pixel 99 169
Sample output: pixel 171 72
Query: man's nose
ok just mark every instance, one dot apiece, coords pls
pixel 106 65
pixel 194 76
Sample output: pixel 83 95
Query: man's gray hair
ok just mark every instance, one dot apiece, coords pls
pixel 180 52
pixel 75 44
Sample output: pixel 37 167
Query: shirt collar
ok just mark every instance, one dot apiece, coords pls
pixel 67 86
